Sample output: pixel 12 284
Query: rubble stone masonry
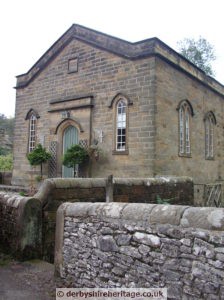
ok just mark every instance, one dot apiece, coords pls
pixel 142 245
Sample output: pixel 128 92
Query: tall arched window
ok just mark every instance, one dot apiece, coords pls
pixel 120 104
pixel 32 133
pixel 32 116
pixel 185 113
pixel 210 122
pixel 121 125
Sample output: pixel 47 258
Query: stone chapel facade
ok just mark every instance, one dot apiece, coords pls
pixel 151 111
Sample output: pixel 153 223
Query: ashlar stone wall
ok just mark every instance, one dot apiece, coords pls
pixel 142 245
pixel 101 76
pixel 172 88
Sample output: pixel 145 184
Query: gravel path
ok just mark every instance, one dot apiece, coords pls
pixel 26 280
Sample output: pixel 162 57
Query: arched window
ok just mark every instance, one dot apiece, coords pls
pixel 121 125
pixel 120 104
pixel 210 121
pixel 32 133
pixel 32 116
pixel 185 114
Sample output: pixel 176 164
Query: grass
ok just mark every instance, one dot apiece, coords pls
pixel 5 259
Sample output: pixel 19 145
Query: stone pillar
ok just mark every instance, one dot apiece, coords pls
pixel 109 189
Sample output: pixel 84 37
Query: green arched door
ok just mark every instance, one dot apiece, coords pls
pixel 70 138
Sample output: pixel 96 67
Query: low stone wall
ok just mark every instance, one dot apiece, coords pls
pixel 176 190
pixel 20 225
pixel 56 191
pixel 5 177
pixel 142 245
pixel 179 190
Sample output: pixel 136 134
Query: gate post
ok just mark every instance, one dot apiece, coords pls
pixel 109 189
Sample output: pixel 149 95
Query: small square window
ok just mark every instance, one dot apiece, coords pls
pixel 73 65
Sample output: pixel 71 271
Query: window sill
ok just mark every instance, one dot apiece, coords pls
pixel 185 155
pixel 71 72
pixel 209 158
pixel 123 152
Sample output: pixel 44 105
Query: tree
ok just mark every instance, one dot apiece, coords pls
pixel 4 151
pixel 200 52
pixel 38 157
pixel 75 155
pixel 7 124
pixel 6 162
pixel 6 138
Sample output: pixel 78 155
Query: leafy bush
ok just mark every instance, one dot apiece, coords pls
pixel 162 201
pixel 6 162
pixel 75 155
pixel 38 156
pixel 5 151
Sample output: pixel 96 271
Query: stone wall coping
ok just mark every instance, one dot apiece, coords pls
pixel 67 183
pixel 13 188
pixel 208 218
pixel 12 199
pixel 70 183
pixel 64 183
pixel 152 181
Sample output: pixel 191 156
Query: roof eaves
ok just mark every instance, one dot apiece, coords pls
pixel 133 51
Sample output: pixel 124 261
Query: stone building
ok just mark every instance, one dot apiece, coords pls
pixel 149 110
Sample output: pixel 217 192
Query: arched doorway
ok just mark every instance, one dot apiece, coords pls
pixel 70 138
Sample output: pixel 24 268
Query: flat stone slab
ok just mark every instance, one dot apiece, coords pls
pixel 204 217
pixel 198 217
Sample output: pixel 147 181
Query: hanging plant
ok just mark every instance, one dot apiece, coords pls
pixel 94 152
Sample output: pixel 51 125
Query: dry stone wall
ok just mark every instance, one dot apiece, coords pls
pixel 142 245
pixel 34 234
pixel 56 191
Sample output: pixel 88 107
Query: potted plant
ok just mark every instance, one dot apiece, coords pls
pixel 75 155
pixel 39 156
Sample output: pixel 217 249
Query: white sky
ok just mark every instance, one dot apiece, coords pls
pixel 29 27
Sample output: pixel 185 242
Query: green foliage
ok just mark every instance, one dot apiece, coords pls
pixel 162 201
pixel 7 124
pixel 5 259
pixel 200 52
pixel 6 162
pixel 38 156
pixel 75 155
pixel 4 151
pixel 38 178
pixel 22 193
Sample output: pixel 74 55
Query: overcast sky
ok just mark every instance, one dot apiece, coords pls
pixel 29 27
